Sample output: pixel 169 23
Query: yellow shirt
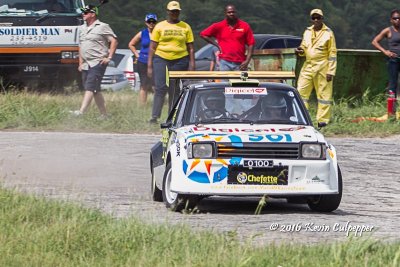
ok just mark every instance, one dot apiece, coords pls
pixel 172 39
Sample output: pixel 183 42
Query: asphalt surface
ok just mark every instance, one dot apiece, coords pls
pixel 111 172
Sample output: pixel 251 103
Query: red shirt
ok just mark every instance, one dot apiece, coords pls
pixel 232 40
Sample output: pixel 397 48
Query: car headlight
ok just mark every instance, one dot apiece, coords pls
pixel 313 151
pixel 69 55
pixel 201 150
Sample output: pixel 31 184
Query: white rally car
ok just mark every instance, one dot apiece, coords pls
pixel 243 138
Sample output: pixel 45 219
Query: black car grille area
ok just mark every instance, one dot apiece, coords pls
pixel 25 59
pixel 258 150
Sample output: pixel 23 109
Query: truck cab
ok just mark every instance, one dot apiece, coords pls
pixel 39 41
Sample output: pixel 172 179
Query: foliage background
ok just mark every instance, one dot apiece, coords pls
pixel 354 23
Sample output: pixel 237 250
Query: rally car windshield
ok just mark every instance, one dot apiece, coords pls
pixel 246 105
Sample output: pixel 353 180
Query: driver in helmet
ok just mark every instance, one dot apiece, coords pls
pixel 214 107
pixel 273 107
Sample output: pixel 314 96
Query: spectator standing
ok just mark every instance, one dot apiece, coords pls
pixel 231 36
pixel 319 48
pixel 392 34
pixel 143 37
pixel 171 47
pixel 97 45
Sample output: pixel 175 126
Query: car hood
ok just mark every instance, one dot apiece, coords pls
pixel 235 133
pixel 113 71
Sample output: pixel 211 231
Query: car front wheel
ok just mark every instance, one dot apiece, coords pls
pixel 327 203
pixel 172 200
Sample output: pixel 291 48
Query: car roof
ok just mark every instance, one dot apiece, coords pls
pixel 124 51
pixel 261 39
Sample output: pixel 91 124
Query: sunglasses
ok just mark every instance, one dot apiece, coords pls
pixel 316 18
pixel 396 18
pixel 152 21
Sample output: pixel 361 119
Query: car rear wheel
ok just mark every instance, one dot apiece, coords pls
pixel 155 192
pixel 327 203
pixel 175 201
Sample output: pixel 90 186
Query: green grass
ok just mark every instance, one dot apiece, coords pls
pixel 46 112
pixel 39 112
pixel 39 232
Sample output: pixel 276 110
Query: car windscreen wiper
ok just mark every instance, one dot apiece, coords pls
pixel 278 122
pixel 224 120
pixel 44 17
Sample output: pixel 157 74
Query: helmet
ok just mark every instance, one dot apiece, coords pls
pixel 215 101
pixel 214 106
pixel 274 106
pixel 273 101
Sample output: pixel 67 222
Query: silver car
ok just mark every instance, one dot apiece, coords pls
pixel 114 79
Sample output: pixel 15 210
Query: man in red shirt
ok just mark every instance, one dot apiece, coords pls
pixel 231 36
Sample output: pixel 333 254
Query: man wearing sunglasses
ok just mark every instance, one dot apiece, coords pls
pixel 319 48
pixel 97 45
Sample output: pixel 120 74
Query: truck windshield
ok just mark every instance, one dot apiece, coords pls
pixel 38 7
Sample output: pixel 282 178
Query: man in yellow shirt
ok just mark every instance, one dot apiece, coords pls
pixel 172 47
pixel 319 48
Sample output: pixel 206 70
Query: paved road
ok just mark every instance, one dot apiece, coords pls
pixel 111 172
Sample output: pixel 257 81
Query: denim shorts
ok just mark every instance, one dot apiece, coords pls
pixel 145 81
pixel 92 77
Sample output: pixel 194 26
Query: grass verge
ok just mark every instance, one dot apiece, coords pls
pixel 39 232
pixel 46 112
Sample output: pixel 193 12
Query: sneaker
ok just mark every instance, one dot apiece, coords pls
pixel 322 124
pixel 153 120
pixel 76 112
pixel 103 117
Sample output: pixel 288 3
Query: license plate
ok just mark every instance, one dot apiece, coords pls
pixel 258 163
pixel 277 175
pixel 31 68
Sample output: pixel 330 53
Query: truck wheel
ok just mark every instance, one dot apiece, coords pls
pixel 327 203
pixel 156 193
pixel 174 201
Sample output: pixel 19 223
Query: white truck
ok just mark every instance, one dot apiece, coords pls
pixel 39 42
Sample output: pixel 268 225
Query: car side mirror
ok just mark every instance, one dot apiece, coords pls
pixel 166 125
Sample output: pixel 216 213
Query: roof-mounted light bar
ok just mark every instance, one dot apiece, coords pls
pixel 231 75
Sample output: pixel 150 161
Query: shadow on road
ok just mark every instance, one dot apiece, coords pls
pixel 248 205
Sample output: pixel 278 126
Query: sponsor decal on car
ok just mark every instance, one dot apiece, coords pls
pixel 266 176
pixel 206 171
pixel 246 91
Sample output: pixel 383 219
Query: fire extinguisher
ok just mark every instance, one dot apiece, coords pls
pixel 391 104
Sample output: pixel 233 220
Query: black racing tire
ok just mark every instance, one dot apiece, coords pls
pixel 327 203
pixel 174 201
pixel 156 193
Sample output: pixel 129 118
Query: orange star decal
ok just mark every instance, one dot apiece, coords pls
pixel 194 163
pixel 208 165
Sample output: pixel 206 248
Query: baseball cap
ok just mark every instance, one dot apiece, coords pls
pixel 316 11
pixel 90 9
pixel 150 16
pixel 173 5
